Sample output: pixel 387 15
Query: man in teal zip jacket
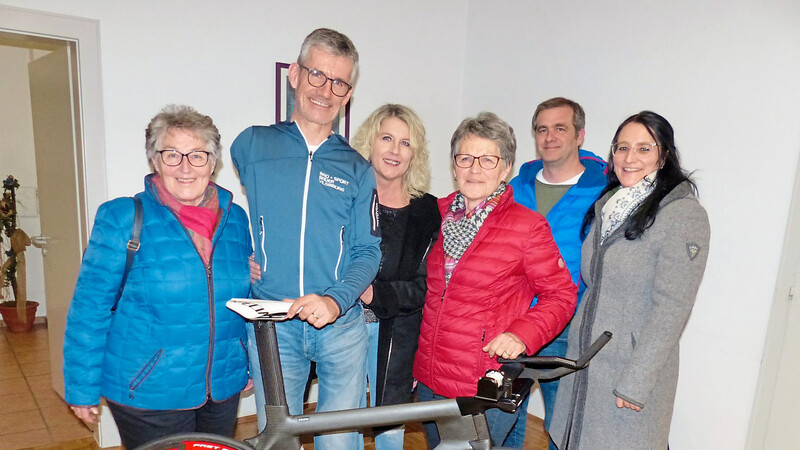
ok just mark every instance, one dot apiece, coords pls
pixel 561 186
pixel 313 210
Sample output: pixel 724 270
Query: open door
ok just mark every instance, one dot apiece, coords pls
pixel 56 129
pixel 781 429
pixel 774 418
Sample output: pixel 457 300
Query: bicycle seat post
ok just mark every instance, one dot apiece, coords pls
pixel 278 434
pixel 269 358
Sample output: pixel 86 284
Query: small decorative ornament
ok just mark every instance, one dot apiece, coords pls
pixel 692 249
pixel 560 262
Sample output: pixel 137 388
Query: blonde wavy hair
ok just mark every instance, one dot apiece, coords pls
pixel 416 180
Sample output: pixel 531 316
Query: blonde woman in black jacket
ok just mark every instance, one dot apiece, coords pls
pixel 393 140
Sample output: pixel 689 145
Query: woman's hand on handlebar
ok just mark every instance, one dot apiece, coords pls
pixel 505 345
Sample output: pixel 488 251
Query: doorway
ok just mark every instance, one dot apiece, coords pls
pixel 46 160
pixel 45 157
pixel 65 123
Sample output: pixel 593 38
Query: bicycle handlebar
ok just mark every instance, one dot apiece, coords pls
pixel 561 366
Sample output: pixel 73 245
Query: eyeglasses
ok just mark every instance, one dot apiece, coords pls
pixel 642 148
pixel 466 161
pixel 197 158
pixel 318 79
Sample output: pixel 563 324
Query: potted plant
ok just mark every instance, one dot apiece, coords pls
pixel 18 313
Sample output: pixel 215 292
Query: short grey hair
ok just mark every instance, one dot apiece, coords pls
pixel 334 43
pixel 488 126
pixel 187 119
pixel 578 115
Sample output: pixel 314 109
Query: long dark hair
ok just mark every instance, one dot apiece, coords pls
pixel 668 176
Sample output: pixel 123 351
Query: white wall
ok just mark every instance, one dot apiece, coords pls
pixel 220 57
pixel 221 60
pixel 725 73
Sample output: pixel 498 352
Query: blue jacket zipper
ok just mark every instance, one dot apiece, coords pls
pixel 263 250
pixel 339 259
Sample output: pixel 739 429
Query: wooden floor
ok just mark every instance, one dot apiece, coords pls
pixel 31 413
pixel 33 416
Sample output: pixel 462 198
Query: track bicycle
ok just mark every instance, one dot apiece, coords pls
pixel 461 421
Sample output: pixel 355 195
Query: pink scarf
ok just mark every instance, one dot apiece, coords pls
pixel 199 221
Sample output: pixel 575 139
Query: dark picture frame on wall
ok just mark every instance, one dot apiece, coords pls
pixel 284 102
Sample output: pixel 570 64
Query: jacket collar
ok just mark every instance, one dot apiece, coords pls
pixel 680 191
pixel 594 175
pixel 293 131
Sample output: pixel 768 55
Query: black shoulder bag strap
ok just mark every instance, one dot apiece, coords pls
pixel 133 247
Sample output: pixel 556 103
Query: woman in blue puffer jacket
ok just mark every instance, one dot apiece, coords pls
pixel 171 358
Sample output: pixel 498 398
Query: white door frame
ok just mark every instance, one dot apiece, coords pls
pixel 785 294
pixel 86 33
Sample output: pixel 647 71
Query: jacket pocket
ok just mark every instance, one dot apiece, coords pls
pixel 483 357
pixel 145 372
pixel 243 346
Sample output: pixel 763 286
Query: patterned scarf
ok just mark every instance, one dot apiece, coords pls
pixel 624 202
pixel 199 221
pixel 460 227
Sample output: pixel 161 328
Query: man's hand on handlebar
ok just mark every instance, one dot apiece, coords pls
pixel 315 309
pixel 505 345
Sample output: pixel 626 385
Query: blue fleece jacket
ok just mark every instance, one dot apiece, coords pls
pixel 314 216
pixel 171 343
pixel 566 217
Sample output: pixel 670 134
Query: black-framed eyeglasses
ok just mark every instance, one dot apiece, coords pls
pixel 340 88
pixel 466 161
pixel 642 148
pixel 197 158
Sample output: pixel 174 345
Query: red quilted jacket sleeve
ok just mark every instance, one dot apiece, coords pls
pixel 555 292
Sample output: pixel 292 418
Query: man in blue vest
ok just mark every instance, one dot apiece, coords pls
pixel 562 185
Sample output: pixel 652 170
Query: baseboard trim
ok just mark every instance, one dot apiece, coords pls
pixel 37 321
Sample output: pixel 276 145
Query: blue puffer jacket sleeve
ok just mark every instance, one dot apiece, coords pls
pixel 89 316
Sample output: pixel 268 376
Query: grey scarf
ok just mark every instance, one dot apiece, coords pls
pixel 624 202
pixel 459 230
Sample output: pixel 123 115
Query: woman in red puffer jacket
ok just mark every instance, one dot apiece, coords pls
pixel 493 256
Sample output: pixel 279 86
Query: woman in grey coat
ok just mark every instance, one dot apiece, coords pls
pixel 642 260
